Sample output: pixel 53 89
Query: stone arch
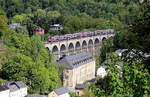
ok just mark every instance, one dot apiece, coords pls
pixel 97 46
pixel 55 49
pixel 62 47
pixel 63 50
pixel 90 43
pixel 78 45
pixel 71 46
pixel 90 47
pixel 84 44
pixel 104 38
pixel 96 41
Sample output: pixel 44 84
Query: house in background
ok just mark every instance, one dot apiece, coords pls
pixel 16 89
pixel 4 91
pixel 60 92
pixel 56 27
pixel 79 68
pixel 39 31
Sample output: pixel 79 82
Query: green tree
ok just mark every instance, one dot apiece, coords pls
pixel 114 78
pixel 21 67
pixel 107 47
pixel 123 79
pixel 53 15
pixel 87 93
pixel 136 80
pixel 72 94
pixel 39 17
pixel 137 37
pixel 22 19
pixel 73 24
pixel 32 64
pixel 54 78
pixel 98 92
pixel 3 24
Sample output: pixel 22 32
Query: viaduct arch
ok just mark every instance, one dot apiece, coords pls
pixel 90 45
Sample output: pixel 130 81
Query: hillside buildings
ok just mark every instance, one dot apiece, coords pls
pixel 39 31
pixel 13 89
pixel 79 68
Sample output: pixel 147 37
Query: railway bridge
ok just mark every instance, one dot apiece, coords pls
pixel 90 44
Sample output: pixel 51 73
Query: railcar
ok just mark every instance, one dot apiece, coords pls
pixel 80 34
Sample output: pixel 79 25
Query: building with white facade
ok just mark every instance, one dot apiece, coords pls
pixel 56 27
pixel 4 91
pixel 15 89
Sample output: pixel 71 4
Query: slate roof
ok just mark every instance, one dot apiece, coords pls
pixel 20 84
pixel 3 88
pixel 81 86
pixel 75 60
pixel 13 86
pixel 62 90
pixel 34 95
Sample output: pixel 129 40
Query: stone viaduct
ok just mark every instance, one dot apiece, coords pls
pixel 89 44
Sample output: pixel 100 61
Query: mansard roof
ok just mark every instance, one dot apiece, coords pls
pixel 13 86
pixel 62 90
pixel 75 60
pixel 81 86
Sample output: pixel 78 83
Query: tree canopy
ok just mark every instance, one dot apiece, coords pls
pixel 25 58
pixel 74 15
